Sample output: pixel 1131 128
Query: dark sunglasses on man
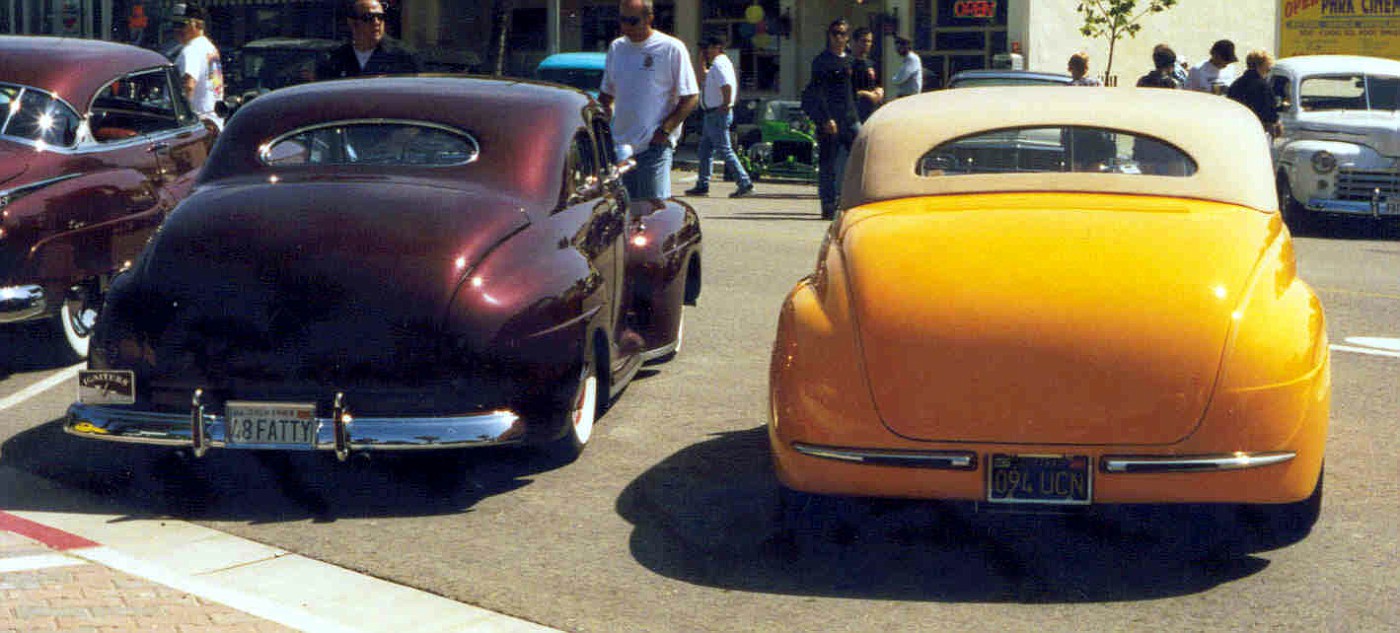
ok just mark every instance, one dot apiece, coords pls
pixel 370 17
pixel 631 20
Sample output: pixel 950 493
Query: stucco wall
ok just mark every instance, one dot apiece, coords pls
pixel 1052 34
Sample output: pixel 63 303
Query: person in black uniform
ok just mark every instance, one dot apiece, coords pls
pixel 834 113
pixel 1254 91
pixel 369 51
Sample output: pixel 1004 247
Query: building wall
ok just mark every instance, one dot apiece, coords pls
pixel 1051 34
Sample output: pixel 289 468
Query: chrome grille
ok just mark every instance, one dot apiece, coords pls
pixel 1360 184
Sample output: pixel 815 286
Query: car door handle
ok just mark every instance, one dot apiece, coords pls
pixel 160 148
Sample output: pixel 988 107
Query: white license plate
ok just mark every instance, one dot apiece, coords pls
pixel 270 423
pixel 1392 206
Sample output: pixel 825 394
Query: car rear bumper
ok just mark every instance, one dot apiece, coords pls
pixel 340 433
pixel 22 303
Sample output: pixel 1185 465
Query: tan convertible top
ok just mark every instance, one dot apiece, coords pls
pixel 1226 140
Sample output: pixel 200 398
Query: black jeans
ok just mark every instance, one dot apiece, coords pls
pixel 831 165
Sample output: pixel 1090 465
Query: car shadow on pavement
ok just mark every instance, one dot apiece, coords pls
pixel 1350 228
pixel 768 216
pixel 30 347
pixel 709 515
pixel 269 486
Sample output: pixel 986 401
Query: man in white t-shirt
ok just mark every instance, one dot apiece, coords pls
pixel 717 99
pixel 201 71
pixel 1214 75
pixel 649 86
pixel 909 79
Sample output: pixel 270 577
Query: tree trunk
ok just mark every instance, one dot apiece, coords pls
pixel 501 11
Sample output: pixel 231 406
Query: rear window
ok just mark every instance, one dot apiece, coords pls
pixel 376 142
pixel 1056 149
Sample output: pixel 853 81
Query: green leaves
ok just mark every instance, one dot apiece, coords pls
pixel 1116 19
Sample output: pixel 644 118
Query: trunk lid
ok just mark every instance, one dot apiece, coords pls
pixel 1048 319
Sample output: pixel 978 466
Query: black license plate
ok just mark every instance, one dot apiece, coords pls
pixel 1046 479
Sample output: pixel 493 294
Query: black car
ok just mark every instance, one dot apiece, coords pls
pixel 262 66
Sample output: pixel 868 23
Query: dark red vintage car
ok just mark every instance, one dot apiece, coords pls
pixel 394 263
pixel 96 146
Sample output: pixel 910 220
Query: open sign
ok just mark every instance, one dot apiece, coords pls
pixel 975 9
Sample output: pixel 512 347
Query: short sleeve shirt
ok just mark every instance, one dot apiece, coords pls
pixel 720 74
pixel 199 59
pixel 646 79
pixel 1208 77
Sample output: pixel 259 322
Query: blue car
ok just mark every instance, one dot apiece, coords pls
pixel 580 70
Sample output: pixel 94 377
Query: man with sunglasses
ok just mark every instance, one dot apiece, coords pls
pixel 649 87
pixel 834 113
pixel 369 51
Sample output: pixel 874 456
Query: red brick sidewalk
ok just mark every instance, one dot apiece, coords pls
pixel 89 598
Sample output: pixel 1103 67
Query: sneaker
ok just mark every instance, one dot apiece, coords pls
pixel 697 191
pixel 743 190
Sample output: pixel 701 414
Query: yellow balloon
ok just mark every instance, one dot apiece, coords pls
pixel 753 14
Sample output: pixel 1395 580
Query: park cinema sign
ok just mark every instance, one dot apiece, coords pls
pixel 1345 27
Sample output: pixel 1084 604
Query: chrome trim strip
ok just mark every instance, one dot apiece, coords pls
pixel 943 460
pixel 22 303
pixel 653 354
pixel 123 424
pixel 1197 463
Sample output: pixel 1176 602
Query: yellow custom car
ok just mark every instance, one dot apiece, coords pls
pixel 1089 302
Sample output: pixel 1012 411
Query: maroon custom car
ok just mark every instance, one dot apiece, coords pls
pixel 96 146
pixel 394 263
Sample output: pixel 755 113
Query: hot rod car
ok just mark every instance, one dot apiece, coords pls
pixel 1033 330
pixel 394 263
pixel 97 144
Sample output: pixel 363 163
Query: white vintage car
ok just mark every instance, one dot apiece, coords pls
pixel 1340 149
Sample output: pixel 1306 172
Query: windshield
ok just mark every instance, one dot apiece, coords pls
pixel 581 78
pixel 270 69
pixel 1056 149
pixel 34 115
pixel 1350 92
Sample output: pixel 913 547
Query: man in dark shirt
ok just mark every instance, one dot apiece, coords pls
pixel 1254 91
pixel 834 113
pixel 1164 67
pixel 369 51
pixel 865 79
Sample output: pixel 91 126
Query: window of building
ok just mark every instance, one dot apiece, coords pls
pixel 755 30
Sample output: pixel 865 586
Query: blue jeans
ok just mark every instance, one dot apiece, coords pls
pixel 714 136
pixel 831 165
pixel 652 176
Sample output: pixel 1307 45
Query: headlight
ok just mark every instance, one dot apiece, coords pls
pixel 1324 162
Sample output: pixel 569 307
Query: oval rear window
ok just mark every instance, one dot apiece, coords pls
pixel 379 142
pixel 1056 149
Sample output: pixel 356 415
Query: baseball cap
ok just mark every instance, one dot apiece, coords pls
pixel 184 12
pixel 1225 49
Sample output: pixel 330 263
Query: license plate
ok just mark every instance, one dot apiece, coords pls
pixel 1392 206
pixel 106 386
pixel 1046 479
pixel 270 423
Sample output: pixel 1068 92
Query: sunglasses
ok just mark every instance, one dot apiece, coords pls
pixel 631 20
pixel 369 17
pixel 841 33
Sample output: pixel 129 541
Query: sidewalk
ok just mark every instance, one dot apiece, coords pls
pixel 95 572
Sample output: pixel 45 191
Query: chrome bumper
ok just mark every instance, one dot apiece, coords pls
pixel 1196 463
pixel 340 433
pixel 1375 208
pixel 21 303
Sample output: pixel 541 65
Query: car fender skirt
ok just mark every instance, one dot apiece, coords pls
pixel 120 424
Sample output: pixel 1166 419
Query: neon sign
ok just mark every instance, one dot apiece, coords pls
pixel 975 9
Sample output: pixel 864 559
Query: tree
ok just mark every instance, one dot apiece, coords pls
pixel 1116 19
pixel 501 11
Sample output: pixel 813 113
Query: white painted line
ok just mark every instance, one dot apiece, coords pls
pixel 36 562
pixel 268 582
pixel 1365 350
pixel 1392 344
pixel 253 605
pixel 40 387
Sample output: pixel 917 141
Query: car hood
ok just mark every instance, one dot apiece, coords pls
pixel 315 280
pixel 1048 319
pixel 1377 129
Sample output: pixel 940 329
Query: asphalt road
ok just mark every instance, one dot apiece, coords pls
pixel 667 522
